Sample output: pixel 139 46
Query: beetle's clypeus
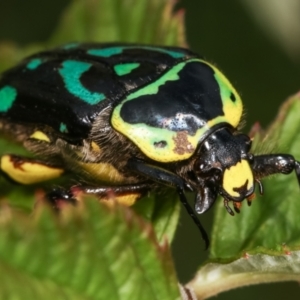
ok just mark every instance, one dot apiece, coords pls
pixel 125 118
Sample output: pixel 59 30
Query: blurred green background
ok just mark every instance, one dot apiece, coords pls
pixel 256 43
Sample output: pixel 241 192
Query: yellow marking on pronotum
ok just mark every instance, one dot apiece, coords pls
pixel 28 172
pixel 146 137
pixel 233 110
pixel 236 176
pixel 39 135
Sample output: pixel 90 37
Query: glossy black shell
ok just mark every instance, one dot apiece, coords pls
pixel 44 97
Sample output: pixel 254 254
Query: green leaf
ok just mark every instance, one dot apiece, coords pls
pixel 95 252
pixel 162 209
pixel 214 278
pixel 143 21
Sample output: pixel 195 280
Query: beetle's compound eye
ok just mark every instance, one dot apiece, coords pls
pixel 238 181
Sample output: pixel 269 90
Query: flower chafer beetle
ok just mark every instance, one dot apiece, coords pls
pixel 125 118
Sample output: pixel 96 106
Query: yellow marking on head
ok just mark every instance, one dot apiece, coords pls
pixel 28 172
pixel 95 147
pixel 103 172
pixel 39 135
pixel 236 176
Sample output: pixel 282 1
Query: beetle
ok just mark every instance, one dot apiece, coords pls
pixel 125 118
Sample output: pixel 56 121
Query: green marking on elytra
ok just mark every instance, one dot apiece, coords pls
pixel 106 52
pixel 174 54
pixel 71 72
pixel 8 95
pixel 63 128
pixel 110 51
pixel 34 63
pixel 123 69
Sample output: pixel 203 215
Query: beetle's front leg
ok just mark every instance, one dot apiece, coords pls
pixel 157 174
pixel 264 165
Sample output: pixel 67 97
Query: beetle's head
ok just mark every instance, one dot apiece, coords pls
pixel 223 167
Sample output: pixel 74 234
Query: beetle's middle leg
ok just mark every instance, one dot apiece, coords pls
pixel 124 194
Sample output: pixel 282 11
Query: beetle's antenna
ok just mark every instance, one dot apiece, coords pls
pixel 194 217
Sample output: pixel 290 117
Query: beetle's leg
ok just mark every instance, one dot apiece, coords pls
pixel 123 189
pixel 25 170
pixel 264 165
pixel 126 194
pixel 157 174
pixel 168 178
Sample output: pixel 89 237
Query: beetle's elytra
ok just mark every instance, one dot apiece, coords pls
pixel 126 118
